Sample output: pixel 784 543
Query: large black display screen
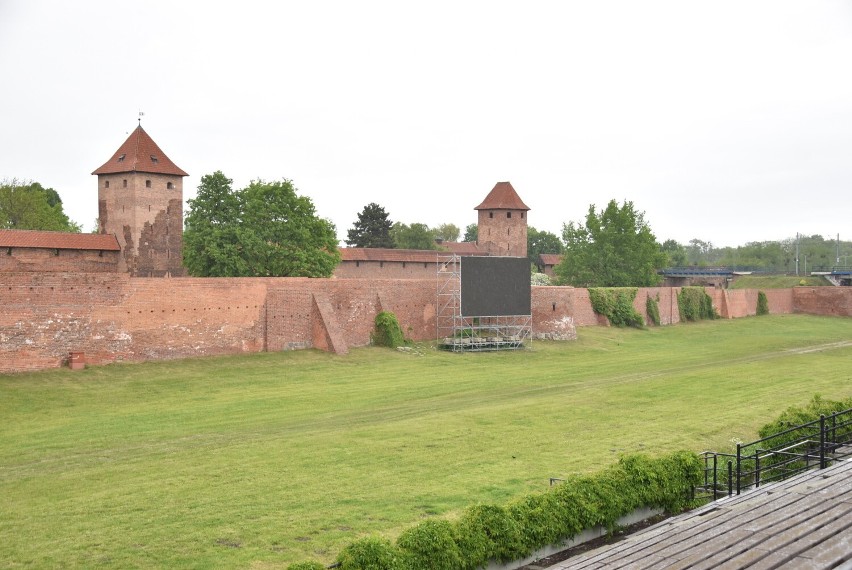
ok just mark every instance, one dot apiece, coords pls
pixel 495 286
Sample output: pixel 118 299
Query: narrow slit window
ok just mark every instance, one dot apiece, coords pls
pixel 147 184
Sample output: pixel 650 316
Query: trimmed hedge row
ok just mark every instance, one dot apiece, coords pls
pixel 504 533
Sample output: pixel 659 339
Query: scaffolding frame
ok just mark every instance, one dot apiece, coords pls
pixel 465 333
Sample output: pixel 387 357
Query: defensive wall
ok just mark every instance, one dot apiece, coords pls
pixel 112 317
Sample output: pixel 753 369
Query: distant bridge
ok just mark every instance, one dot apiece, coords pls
pixel 692 272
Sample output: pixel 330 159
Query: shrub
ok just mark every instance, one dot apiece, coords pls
pixel 762 303
pixel 653 309
pixel 431 545
pixel 371 553
pixel 490 532
pixel 616 304
pixel 694 304
pixel 387 332
pixel 487 532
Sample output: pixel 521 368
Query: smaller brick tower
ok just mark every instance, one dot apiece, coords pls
pixel 140 201
pixel 502 226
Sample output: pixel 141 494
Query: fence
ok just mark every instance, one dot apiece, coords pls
pixel 812 445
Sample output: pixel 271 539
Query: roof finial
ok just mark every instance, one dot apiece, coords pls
pixel 141 114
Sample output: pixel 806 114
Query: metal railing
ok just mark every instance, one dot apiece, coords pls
pixel 816 444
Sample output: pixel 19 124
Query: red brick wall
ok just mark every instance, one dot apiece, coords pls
pixel 823 301
pixel 385 270
pixel 112 317
pixel 36 259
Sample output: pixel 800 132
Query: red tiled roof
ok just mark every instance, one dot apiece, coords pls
pixel 58 240
pixel 502 197
pixel 550 258
pixel 140 153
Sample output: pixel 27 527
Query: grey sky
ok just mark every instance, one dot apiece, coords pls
pixel 726 121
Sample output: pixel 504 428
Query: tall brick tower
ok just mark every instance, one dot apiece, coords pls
pixel 502 222
pixel 140 201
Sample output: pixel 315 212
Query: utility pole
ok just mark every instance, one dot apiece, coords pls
pixel 797 254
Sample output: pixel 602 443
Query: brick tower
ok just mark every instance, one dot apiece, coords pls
pixel 502 225
pixel 140 201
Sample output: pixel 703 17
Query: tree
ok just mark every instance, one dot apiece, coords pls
pixel 542 242
pixel 446 232
pixel 371 229
pixel 29 206
pixel 675 253
pixel 471 232
pixel 211 237
pixel 265 229
pixel 415 236
pixel 615 248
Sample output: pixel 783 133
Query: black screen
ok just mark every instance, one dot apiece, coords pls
pixel 495 286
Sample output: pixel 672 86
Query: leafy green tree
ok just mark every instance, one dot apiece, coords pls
pixel 541 242
pixel 265 229
pixel 614 248
pixel 471 232
pixel 415 236
pixel 675 253
pixel 371 229
pixel 212 230
pixel 29 206
pixel 446 232
pixel 285 236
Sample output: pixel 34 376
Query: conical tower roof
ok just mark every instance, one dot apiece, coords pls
pixel 502 197
pixel 140 153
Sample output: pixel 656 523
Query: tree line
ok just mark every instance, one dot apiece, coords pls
pixel 268 229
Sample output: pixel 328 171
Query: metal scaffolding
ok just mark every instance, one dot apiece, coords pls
pixel 464 333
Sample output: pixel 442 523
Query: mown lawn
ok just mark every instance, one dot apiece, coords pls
pixel 261 460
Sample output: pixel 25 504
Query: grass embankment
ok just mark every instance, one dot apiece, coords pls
pixel 778 281
pixel 261 460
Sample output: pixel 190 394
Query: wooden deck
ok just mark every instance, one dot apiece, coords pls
pixel 802 523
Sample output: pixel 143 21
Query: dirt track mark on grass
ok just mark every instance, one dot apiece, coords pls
pixel 820 347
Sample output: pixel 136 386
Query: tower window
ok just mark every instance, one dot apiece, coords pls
pixel 147 184
pixel 508 214
pixel 522 215
pixel 106 184
pixel 124 183
pixel 170 186
pixel 490 214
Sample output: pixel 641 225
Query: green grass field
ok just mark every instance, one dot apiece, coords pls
pixel 257 461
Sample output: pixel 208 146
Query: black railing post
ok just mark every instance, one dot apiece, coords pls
pixel 822 441
pixel 739 470
pixel 715 478
pixel 756 469
pixel 730 477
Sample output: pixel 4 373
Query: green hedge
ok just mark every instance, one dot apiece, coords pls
pixel 762 303
pixel 492 532
pixel 694 304
pixel 387 332
pixel 616 304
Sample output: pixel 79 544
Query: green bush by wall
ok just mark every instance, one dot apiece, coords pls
pixel 616 304
pixel 492 532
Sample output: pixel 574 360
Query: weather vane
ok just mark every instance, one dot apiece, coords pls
pixel 141 114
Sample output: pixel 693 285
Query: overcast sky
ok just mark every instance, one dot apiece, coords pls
pixel 725 121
